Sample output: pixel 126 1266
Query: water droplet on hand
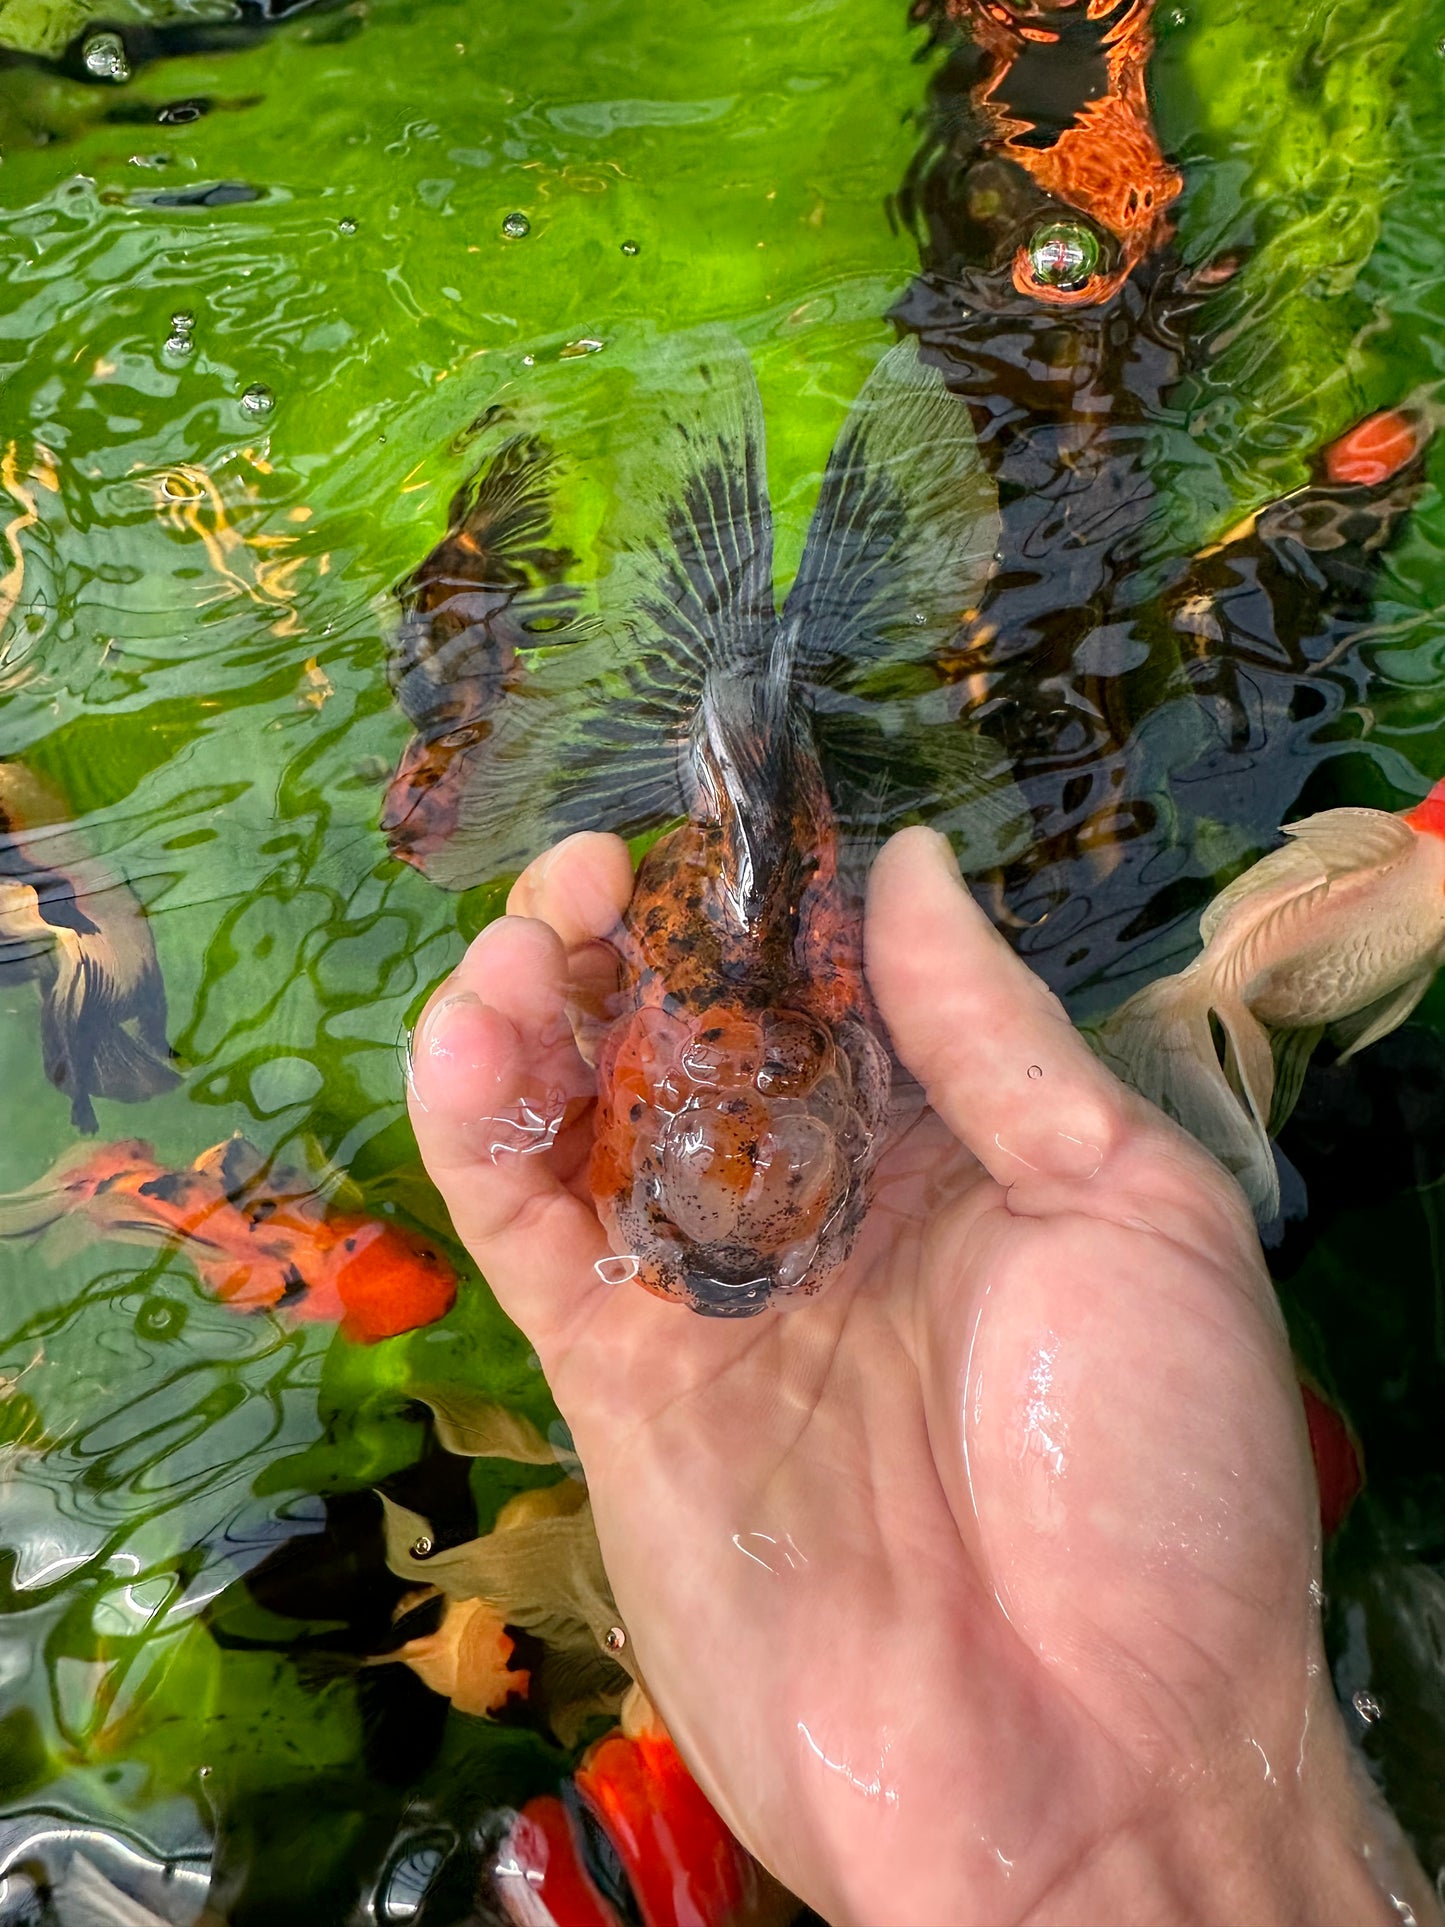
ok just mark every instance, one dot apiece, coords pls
pixel 1366 1705
pixel 1064 255
pixel 629 247
pixel 258 399
pixel 346 225
pixel 516 227
pixel 104 56
pixel 617 1271
pixel 1036 1070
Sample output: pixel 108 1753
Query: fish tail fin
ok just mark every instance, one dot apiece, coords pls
pixel 1162 1043
pixel 67 1187
pixel 102 1031
pixel 594 735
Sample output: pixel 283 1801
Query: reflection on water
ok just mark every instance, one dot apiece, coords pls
pixel 263 286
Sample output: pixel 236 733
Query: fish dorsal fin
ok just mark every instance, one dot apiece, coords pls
pixel 592 735
pixel 904 532
pixel 1347 840
pixel 1321 850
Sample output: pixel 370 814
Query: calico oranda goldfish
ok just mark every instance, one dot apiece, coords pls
pixel 1341 929
pixel 259 1239
pixel 743 1085
pixel 71 923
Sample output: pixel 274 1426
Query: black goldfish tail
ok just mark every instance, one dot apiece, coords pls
pixel 899 549
pixel 596 736
pixel 102 1035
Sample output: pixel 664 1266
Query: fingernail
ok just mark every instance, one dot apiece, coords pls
pixel 431 1033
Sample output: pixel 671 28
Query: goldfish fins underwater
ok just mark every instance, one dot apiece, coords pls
pixel 1342 929
pixel 632 1839
pixel 259 1240
pixel 70 923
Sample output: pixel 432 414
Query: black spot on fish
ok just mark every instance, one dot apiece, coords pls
pixel 296 1287
pixel 348 1244
pixel 171 1187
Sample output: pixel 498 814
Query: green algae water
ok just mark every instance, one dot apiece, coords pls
pixel 256 295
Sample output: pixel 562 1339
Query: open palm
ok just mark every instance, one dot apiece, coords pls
pixel 959 1581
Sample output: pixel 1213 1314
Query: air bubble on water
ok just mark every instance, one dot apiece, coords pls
pixel 105 57
pixel 629 247
pixel 346 225
pixel 1366 1705
pixel 529 361
pixel 585 345
pixel 618 1271
pixel 258 399
pixel 516 227
pixel 1036 1070
pixel 1064 255
pixel 180 342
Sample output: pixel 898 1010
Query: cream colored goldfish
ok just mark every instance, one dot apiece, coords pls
pixel 1341 929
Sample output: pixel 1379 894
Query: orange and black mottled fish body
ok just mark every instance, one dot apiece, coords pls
pixel 493 585
pixel 259 1239
pixel 73 925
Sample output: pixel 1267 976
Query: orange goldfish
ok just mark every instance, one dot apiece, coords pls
pixel 258 1240
pixel 632 1839
pixel 70 922
pixel 1342 929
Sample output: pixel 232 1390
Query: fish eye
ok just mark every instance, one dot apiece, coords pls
pixel 1064 255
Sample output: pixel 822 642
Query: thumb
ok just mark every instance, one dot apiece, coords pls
pixel 992 1047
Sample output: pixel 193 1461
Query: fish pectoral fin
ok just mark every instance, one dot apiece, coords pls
pixel 1377 1020
pixel 1293 1050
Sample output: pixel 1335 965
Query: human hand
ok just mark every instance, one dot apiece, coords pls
pixel 982 1586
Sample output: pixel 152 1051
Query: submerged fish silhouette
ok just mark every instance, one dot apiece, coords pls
pixel 1342 928
pixel 259 1239
pixel 69 922
pixel 491 587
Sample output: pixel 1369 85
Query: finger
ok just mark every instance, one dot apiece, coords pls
pixel 496 1083
pixel 581 888
pixel 992 1047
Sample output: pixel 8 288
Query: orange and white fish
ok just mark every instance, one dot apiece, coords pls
pixel 1341 929
pixel 72 924
pixel 259 1239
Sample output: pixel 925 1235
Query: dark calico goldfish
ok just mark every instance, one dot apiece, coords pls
pixel 632 1839
pixel 70 923
pixel 259 1239
pixel 742 1088
pixel 1343 928
pixel 492 586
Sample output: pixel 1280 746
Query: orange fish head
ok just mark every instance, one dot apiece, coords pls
pixel 387 1280
pixel 733 1147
